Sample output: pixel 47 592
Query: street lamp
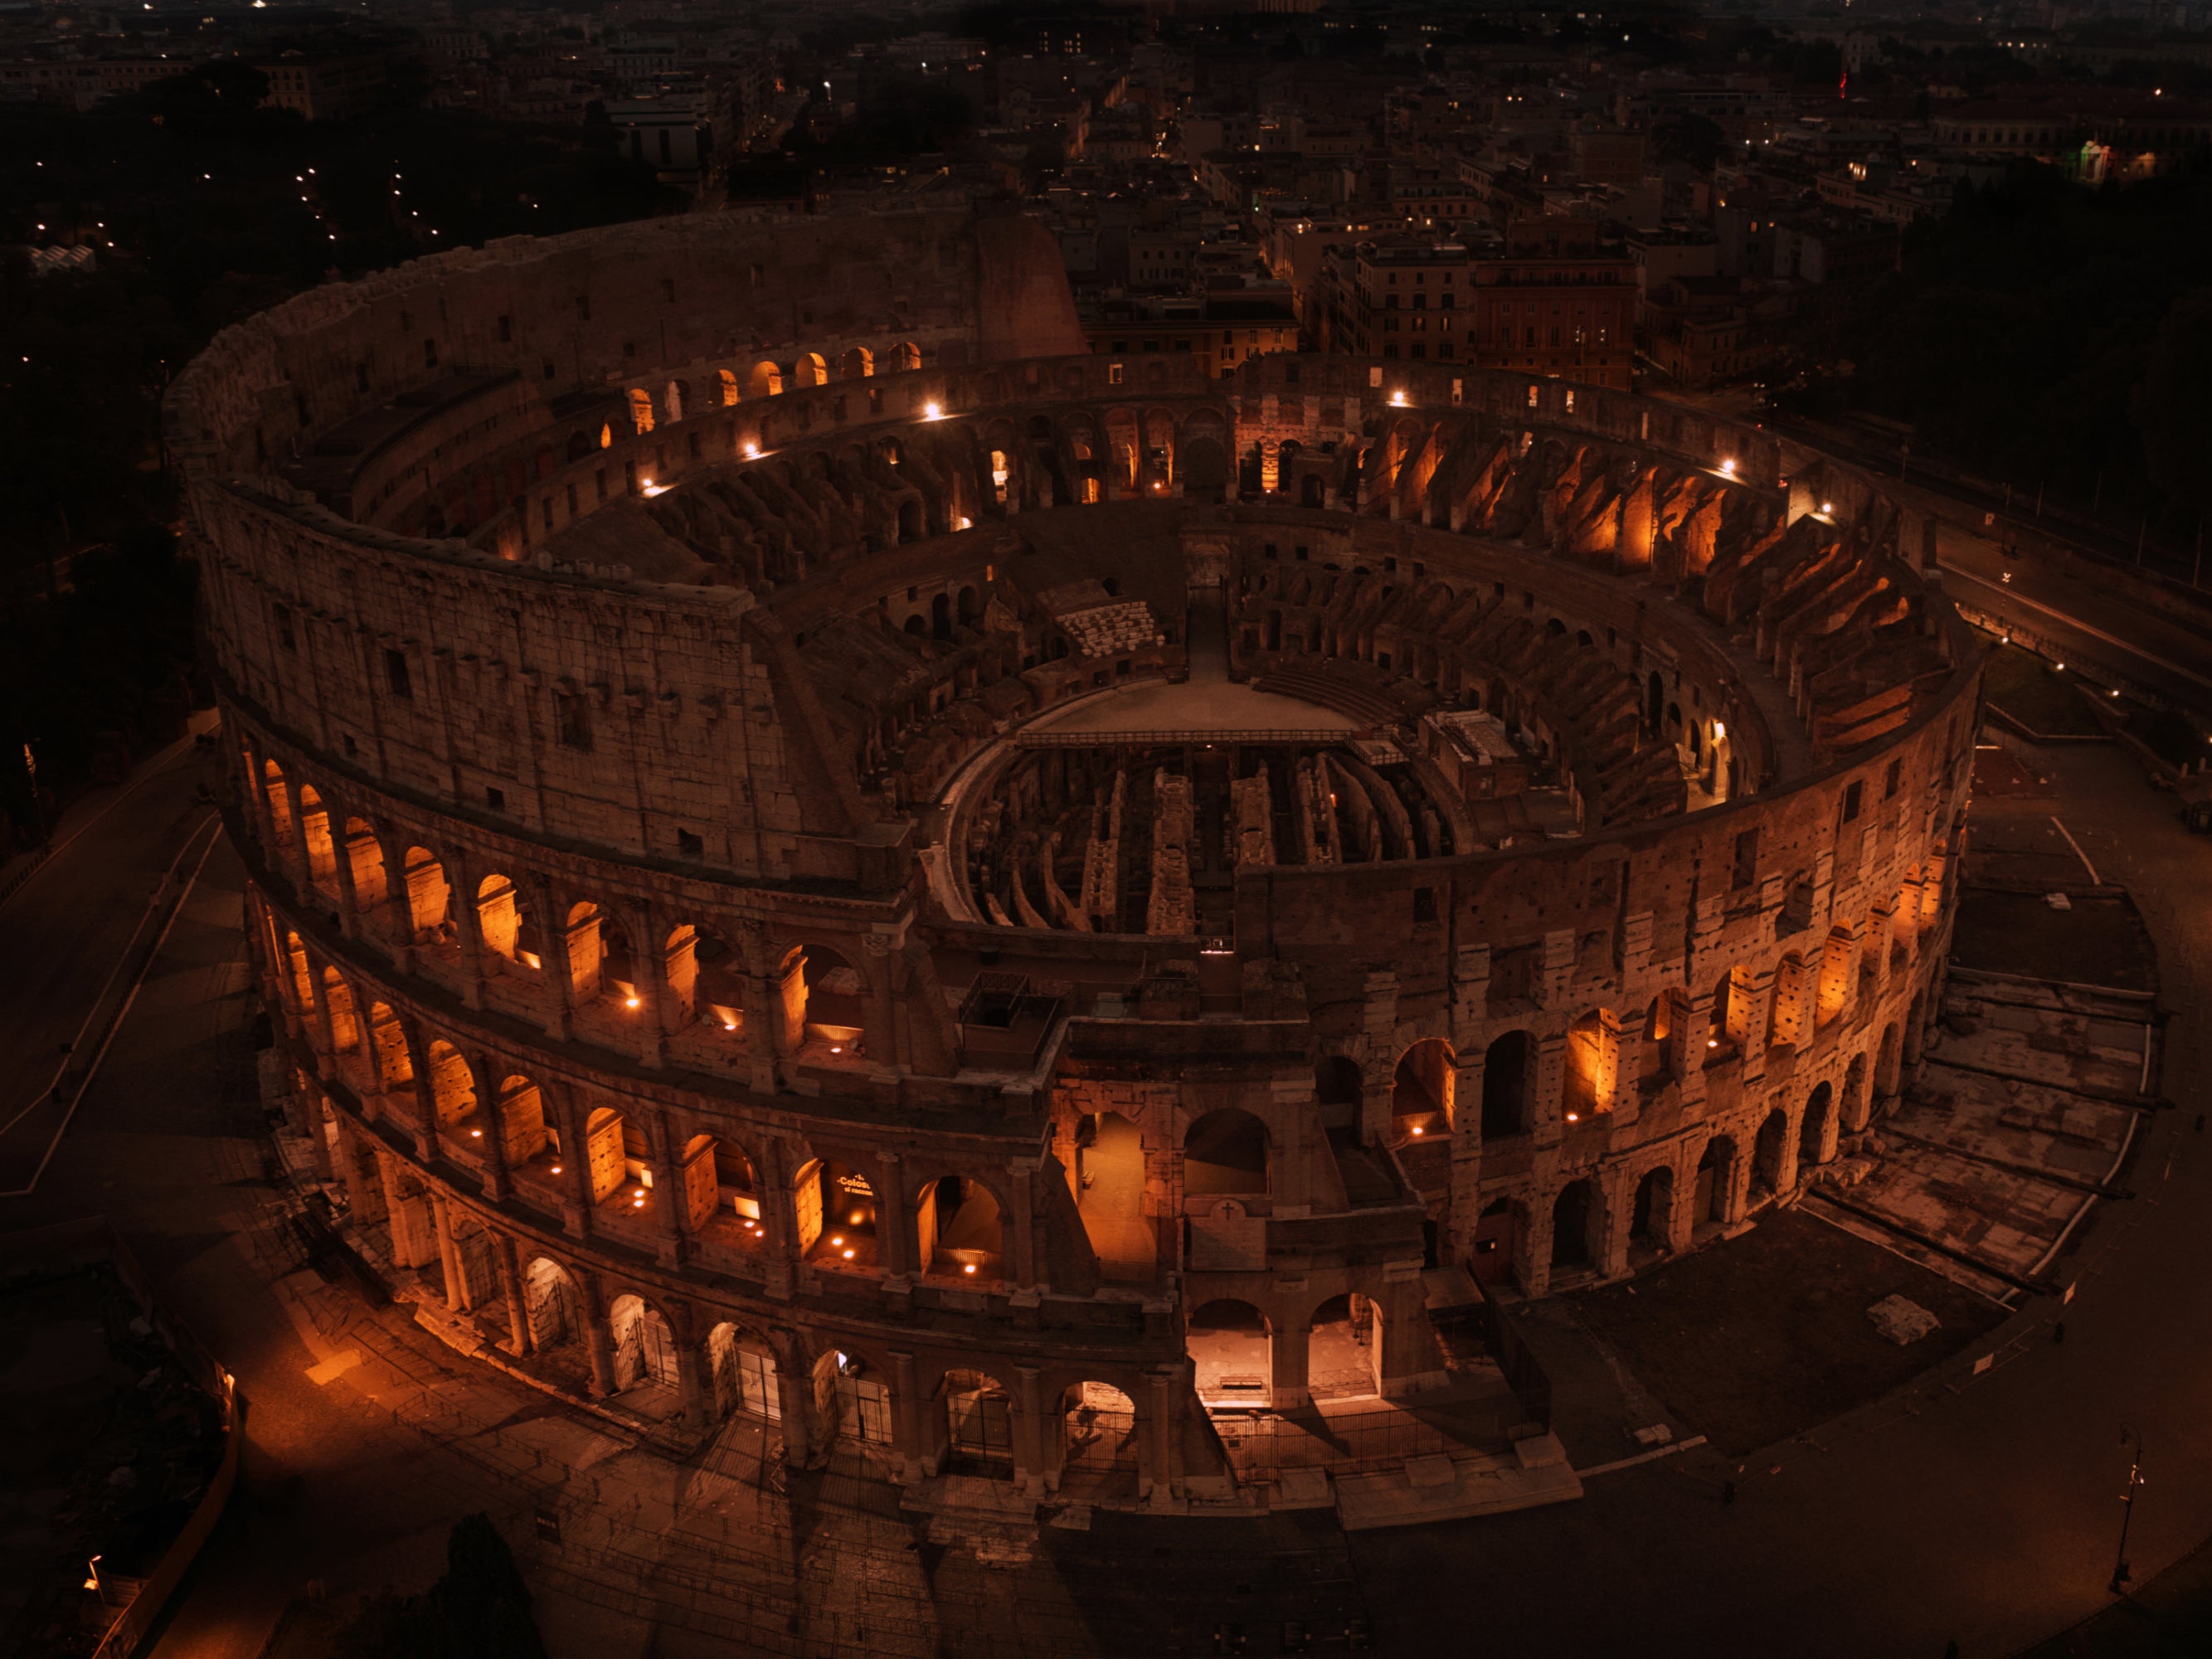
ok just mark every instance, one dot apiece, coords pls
pixel 2120 1573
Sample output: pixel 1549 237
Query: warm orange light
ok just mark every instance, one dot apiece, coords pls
pixel 630 1002
pixel 475 1134
pixel 858 1217
pixel 969 1268
pixel 849 1255
pixel 932 411
pixel 836 1241
pixel 752 452
pixel 556 1169
pixel 836 1048
pixel 1418 1130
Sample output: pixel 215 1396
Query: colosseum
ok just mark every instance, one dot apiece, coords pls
pixel 818 851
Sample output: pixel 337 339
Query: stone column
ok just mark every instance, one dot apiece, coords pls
pixel 691 1382
pixel 510 1286
pixel 1032 1469
pixel 1287 1357
pixel 1681 1218
pixel 1023 1225
pixel 559 968
pixel 414 1239
pixel 1156 1472
pixel 668 1198
pixel 898 1252
pixel 449 1254
pixel 596 1339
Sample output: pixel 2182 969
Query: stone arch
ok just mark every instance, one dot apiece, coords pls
pixel 1592 1071
pixel 960 1230
pixel 315 833
pixel 979 1423
pixel 641 411
pixel 1770 1153
pixel 644 1343
pixel 727 383
pixel 671 400
pixel 905 355
pixel 1888 1063
pixel 721 1183
pixel 338 1009
pixel 742 1372
pixel 851 1396
pixel 1230 1345
pixel 584 950
pixel 1421 1099
pixel 826 1195
pixel 1508 1067
pixel 1344 1348
pixel 523 1133
pixel 808 369
pixel 453 1087
pixel 428 893
pixel 395 1065
pixel 1816 1129
pixel 857 364
pixel 608 1141
pixel 765 380
pixel 834 996
pixel 552 1305
pixel 1226 1152
pixel 706 979
pixel 499 916
pixel 1576 1214
pixel 364 852
pixel 278 795
pixel 299 975
pixel 1649 1220
pixel 1098 1430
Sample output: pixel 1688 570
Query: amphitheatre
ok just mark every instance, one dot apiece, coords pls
pixel 819 852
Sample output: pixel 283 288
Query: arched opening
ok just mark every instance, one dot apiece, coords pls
pixel 1098 1430
pixel 961 1231
pixel 1650 1222
pixel 742 1369
pixel 1593 1064
pixel 836 1211
pixel 765 380
pixel 857 364
pixel 523 1134
pixel 1338 1087
pixel 550 1305
pixel 278 794
pixel 941 617
pixel 1108 1168
pixel 967 607
pixel 1815 1129
pixel 835 999
pixel 853 1402
pixel 1312 492
pixel 337 1006
pixel 909 525
pixel 641 411
pixel 580 445
pixel 1715 1187
pixel 618 966
pixel 720 1194
pixel 395 1066
pixel 1573 1214
pixel 1767 1153
pixel 365 856
pixel 906 356
pixel 979 1425
pixel 1225 1152
pixel 728 383
pixel 315 831
pixel 671 400
pixel 427 894
pixel 1724 1038
pixel 614 1158
pixel 584 950
pixel 1421 1101
pixel 452 1088
pixel 1505 1072
pixel 645 1348
pixel 1344 1349
pixel 811 370
pixel 706 977
pixel 499 916
pixel 1228 1342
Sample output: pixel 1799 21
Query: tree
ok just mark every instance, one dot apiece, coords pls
pixel 2169 404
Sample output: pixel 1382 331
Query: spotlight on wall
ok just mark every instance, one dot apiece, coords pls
pixel 1397 400
pixel 1729 468
pixel 630 1002
pixel 1827 508
pixel 932 410
pixel 752 452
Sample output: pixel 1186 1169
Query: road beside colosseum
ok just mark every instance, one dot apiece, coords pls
pixel 1975 1509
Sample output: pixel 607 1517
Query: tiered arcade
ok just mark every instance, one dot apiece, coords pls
pixel 824 855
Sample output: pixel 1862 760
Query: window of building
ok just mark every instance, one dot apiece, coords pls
pixel 395 673
pixel 572 720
